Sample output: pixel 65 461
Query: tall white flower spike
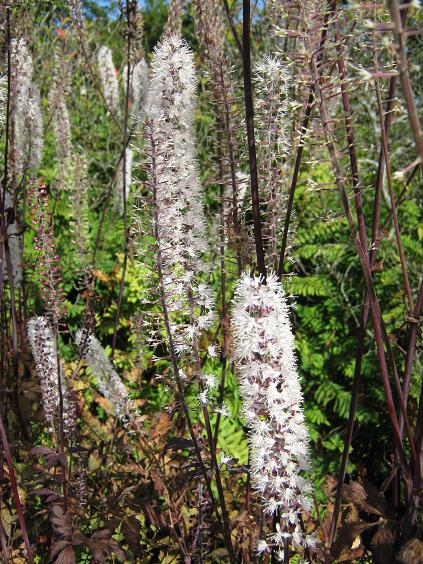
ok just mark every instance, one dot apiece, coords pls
pixel 271 392
pixel 174 179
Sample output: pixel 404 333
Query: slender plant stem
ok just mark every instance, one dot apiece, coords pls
pixel 374 305
pixel 3 542
pixel 3 226
pixel 249 118
pixel 411 349
pixel 372 258
pixel 172 350
pixel 380 171
pixel 15 492
pixel 210 438
pixel 405 78
pixel 392 197
pixel 294 181
pixel 414 498
pixel 106 201
pixel 224 304
pixel 124 187
pixel 61 434
pixel 232 26
pixel 350 134
pixel 227 120
pixel 351 418
pixel 400 35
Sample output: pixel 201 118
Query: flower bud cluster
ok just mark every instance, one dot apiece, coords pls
pixel 209 26
pixel 273 124
pixel 76 15
pixel 136 30
pixel 76 184
pixel 51 376
pixel 271 392
pixel 108 382
pixel 48 261
pixel 174 18
pixel 297 29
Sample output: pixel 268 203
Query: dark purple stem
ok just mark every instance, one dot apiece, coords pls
pixel 124 187
pixel 15 493
pixel 249 118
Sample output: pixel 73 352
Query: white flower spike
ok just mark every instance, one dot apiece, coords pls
pixel 269 384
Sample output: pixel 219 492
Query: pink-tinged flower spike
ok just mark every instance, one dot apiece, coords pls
pixel 108 382
pixel 44 350
pixel 108 78
pixel 48 261
pixel 271 392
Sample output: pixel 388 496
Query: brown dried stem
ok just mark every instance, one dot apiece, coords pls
pixel 374 304
pixel 300 149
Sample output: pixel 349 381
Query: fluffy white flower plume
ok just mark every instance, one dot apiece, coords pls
pixel 44 350
pixel 109 81
pixel 271 392
pixel 118 191
pixel 108 382
pixel 29 138
pixel 13 231
pixel 139 89
pixel 22 70
pixel 174 181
